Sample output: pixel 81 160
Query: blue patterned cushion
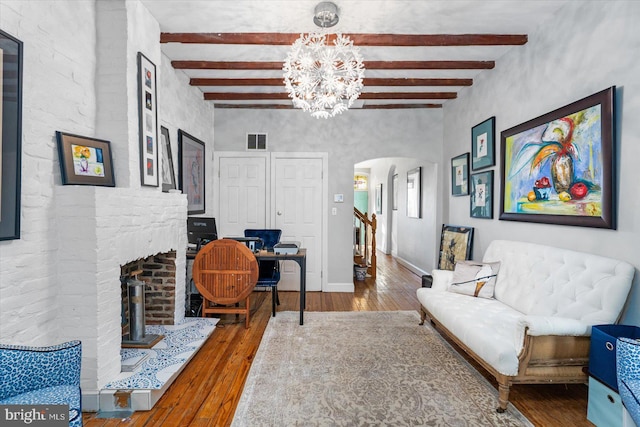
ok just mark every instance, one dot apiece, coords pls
pixel 58 395
pixel 628 370
pixel 42 375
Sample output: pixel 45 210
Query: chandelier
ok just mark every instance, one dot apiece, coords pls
pixel 323 72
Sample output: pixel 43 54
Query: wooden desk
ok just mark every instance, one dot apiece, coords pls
pixel 301 259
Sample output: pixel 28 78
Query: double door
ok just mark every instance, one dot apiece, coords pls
pixel 276 190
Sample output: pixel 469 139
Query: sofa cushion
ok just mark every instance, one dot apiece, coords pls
pixel 487 326
pixel 474 278
pixel 548 281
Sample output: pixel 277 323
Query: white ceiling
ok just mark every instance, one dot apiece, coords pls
pixel 419 17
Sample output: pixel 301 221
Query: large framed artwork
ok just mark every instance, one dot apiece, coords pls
pixel 460 175
pixel 414 193
pixel 168 172
pixel 191 174
pixel 559 168
pixel 456 244
pixel 379 199
pixel 11 131
pixel 84 160
pixel 394 190
pixel 148 119
pixel 483 144
pixel 481 201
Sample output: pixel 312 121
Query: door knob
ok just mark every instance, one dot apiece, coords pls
pixel 279 213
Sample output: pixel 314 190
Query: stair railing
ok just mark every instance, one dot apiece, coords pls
pixel 365 240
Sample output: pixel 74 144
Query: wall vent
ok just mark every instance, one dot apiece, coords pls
pixel 257 141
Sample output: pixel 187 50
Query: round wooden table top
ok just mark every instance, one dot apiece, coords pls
pixel 225 271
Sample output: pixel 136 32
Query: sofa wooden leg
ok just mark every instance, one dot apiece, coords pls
pixel 503 395
pixel 423 315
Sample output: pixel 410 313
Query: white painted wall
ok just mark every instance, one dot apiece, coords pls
pixel 585 48
pixel 415 236
pixel 81 78
pixel 58 94
pixel 351 138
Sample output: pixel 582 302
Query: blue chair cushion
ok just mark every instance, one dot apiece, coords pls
pixel 269 237
pixel 57 395
pixel 42 375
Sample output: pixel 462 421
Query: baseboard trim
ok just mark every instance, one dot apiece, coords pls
pixel 339 287
pixel 90 401
pixel 413 268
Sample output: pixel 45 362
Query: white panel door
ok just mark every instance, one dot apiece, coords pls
pixel 298 213
pixel 242 190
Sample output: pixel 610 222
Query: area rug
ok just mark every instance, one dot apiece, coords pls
pixel 364 369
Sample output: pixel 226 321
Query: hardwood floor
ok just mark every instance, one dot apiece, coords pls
pixel 207 391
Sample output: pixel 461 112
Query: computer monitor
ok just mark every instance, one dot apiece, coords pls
pixel 201 230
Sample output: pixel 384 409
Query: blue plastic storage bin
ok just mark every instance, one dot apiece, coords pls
pixel 602 353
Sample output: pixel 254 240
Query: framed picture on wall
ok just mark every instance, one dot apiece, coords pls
pixel 148 120
pixel 481 203
pixel 560 168
pixel 394 184
pixel 11 135
pixel 483 144
pixel 168 172
pixel 456 243
pixel 460 175
pixel 414 193
pixel 84 160
pixel 191 175
pixel 379 199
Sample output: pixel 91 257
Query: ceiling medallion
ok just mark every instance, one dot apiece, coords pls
pixel 323 72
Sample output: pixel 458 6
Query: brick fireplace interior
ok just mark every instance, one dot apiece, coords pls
pixel 159 274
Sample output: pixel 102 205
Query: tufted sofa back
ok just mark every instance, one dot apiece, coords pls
pixel 548 281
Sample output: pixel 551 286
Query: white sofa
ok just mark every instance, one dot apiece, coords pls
pixel 537 327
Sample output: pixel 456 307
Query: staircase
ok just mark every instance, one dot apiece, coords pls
pixel 364 241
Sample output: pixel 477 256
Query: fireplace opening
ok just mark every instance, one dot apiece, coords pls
pixel 147 288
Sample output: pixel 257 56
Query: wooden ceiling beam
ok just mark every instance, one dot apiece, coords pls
pixel 280 39
pixel 408 95
pixel 369 65
pixel 398 106
pixel 290 107
pixel 256 106
pixel 228 96
pixel 366 81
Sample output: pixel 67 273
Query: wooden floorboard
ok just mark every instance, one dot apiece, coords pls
pixel 207 391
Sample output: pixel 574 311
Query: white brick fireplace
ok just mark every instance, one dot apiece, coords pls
pixel 101 229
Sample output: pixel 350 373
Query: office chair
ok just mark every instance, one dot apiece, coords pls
pixel 225 272
pixel 269 275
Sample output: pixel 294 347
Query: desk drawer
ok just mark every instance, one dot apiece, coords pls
pixel 605 407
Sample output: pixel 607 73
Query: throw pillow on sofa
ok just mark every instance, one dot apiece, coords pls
pixel 477 279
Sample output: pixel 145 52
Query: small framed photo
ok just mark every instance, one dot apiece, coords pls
pixel 191 174
pixel 481 204
pixel 483 144
pixel 148 119
pixel 168 172
pixel 460 175
pixel 379 199
pixel 456 243
pixel 84 160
